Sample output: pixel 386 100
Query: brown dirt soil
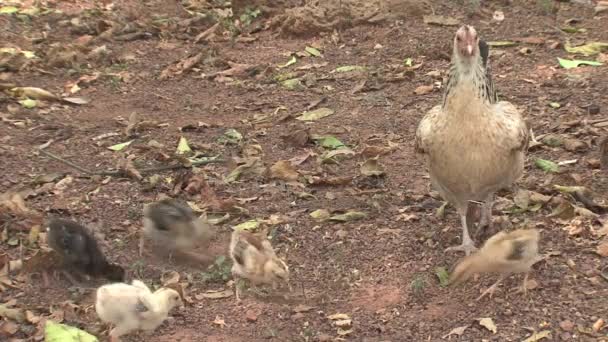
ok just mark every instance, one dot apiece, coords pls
pixel 379 270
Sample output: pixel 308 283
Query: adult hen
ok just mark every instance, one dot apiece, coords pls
pixel 134 307
pixel 503 253
pixel 474 144
pixel 173 225
pixel 79 251
pixel 253 258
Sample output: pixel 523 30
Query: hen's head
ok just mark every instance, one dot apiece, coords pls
pixel 466 44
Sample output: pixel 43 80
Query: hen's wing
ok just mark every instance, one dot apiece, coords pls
pixel 425 129
pixel 517 136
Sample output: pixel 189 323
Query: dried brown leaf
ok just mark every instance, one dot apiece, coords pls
pixel 283 170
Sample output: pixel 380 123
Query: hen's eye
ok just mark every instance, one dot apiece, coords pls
pixel 458 38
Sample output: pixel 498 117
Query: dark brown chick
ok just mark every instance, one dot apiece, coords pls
pixel 79 251
pixel 474 144
pixel 173 225
pixel 503 253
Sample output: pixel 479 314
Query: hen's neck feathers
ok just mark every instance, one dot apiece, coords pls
pixel 476 77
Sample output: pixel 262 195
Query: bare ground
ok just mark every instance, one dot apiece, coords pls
pixel 379 270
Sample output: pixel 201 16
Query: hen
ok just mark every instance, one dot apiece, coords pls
pixel 253 258
pixel 134 307
pixel 79 251
pixel 503 253
pixel 173 225
pixel 474 144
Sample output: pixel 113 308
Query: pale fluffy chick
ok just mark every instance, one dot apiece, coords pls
pixel 474 144
pixel 253 258
pixel 134 307
pixel 174 226
pixel 503 253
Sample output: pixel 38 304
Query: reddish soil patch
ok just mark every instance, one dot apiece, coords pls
pixel 366 269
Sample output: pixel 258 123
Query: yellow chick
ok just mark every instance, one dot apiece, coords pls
pixel 173 225
pixel 504 253
pixel 253 258
pixel 134 307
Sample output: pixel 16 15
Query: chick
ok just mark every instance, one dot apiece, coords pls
pixel 474 144
pixel 173 225
pixel 253 258
pixel 503 253
pixel 134 307
pixel 79 251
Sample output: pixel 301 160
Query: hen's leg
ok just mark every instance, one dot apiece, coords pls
pixel 486 212
pixel 467 244
pixel 491 289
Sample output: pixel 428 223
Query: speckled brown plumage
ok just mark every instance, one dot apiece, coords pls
pixel 473 143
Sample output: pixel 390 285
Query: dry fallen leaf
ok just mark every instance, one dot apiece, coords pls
pixel 215 294
pixel 598 325
pixel 602 249
pixel 488 323
pixel 537 336
pixel 372 167
pixel 458 331
pixel 169 278
pixel 283 170
pixel 424 89
pixel 219 321
pixel 302 308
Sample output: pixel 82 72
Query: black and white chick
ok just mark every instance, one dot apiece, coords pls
pixel 173 225
pixel 79 251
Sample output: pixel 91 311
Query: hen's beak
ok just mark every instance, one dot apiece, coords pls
pixel 470 49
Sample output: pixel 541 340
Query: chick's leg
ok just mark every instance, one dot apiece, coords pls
pixel 491 289
pixel 467 244
pixel 523 288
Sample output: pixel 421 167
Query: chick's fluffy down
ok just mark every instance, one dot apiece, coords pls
pixel 134 307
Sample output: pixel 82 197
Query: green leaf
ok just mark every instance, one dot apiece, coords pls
pixel 247 225
pixel 502 43
pixel 348 68
pixel 232 136
pixel 28 103
pixel 329 141
pixel 442 274
pixel 546 165
pixel 570 29
pixel 408 62
pixel 119 147
pixel 8 10
pixel 292 61
pixel 569 64
pixel 315 114
pixel 311 50
pixel 350 215
pixel 182 146
pixel 589 49
pixel 293 84
pixel 554 105
pixel 56 332
pixel 320 214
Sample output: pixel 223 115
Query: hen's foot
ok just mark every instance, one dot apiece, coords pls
pixel 467 248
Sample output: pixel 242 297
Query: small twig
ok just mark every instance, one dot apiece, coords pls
pixel 120 172
pixel 67 162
